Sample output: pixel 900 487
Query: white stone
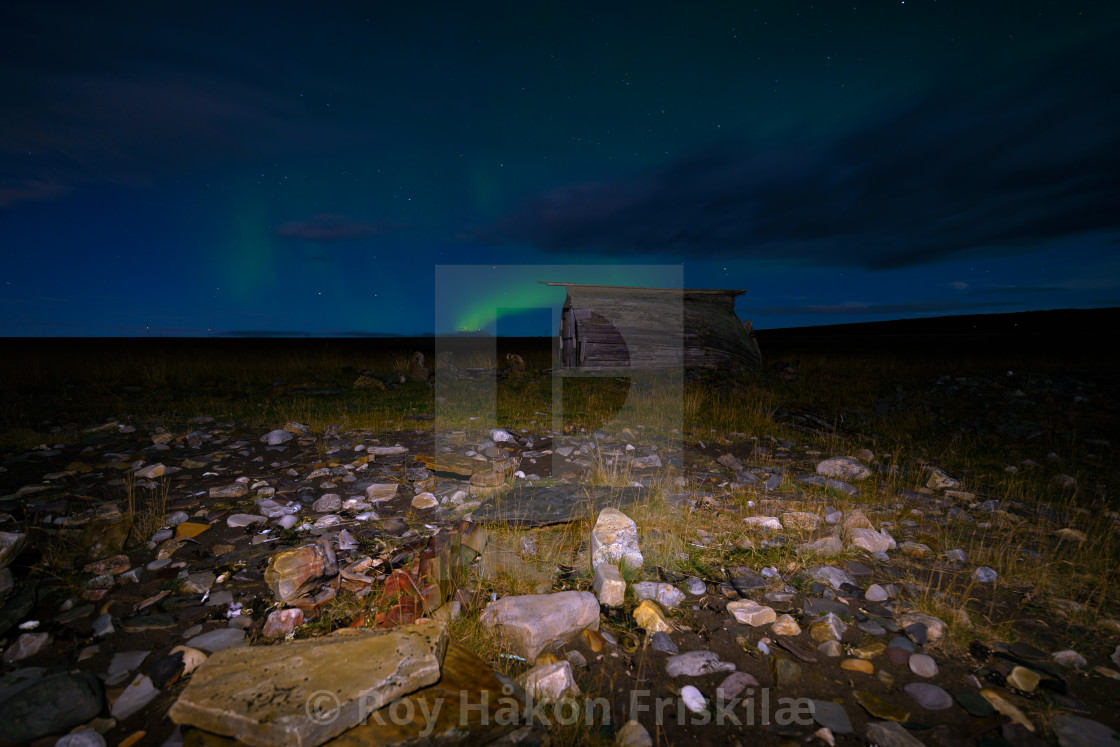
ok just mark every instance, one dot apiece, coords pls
pixel 424 500
pixel 800 520
pixel 985 575
pixel 843 468
pixel 876 593
pixel 633 734
pixel 386 450
pixel 831 575
pixel 550 682
pixel 693 700
pixel 939 479
pixel 764 522
pixel 750 612
pixel 10 545
pixel 235 521
pixel 85 738
pixel 535 622
pixel 276 437
pixel 923 665
pixel 151 472
pixel 609 586
pixel 614 540
pixel 138 694
pixel 1068 658
pixel 379 492
pixel 870 540
pixel 696 664
pixel 28 644
pixel 667 595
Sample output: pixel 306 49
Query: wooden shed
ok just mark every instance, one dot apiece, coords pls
pixel 611 326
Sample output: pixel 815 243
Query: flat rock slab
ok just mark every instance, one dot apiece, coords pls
pixel 554 504
pixel 466 706
pixel 306 692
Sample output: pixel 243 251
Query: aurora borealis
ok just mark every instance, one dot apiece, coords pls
pixel 290 169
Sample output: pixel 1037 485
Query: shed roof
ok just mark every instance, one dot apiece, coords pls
pixel 713 291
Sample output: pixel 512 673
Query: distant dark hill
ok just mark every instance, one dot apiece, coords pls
pixel 1042 332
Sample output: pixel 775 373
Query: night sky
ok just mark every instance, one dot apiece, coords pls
pixel 271 169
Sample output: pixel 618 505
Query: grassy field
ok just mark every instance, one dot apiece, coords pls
pixel 974 412
pixel 1002 418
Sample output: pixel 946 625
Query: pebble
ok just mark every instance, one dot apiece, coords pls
pixel 276 437
pixel 696 664
pixel 83 738
pixel 218 639
pixel 614 540
pixel 28 644
pixel 327 504
pixel 696 587
pixel 832 716
pixel 858 665
pixel 282 622
pixel 660 641
pixel 829 627
pixel 1023 679
pixel 785 671
pixel 667 595
pixel 633 734
pixel 1006 707
pixel 868 651
pixel 693 700
pixel 899 656
pixel 749 612
pixel 785 625
pixel 650 617
pixel 102 625
pixel 919 625
pixel 975 704
pixel 878 707
pixel 609 586
pixel 192 658
pixel 985 575
pixel 890 734
pixel 424 501
pixel 876 593
pixel 831 648
pixel 138 694
pixel 1068 658
pixel 923 665
pixel 930 697
pixel 734 684
pixel 1075 731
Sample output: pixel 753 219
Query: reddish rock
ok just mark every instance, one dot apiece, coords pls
pixel 282 622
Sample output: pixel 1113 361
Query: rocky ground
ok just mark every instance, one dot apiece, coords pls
pixel 217 582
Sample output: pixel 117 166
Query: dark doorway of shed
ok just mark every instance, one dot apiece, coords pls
pixel 589 336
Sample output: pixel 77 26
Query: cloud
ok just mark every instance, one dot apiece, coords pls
pixel 987 169
pixel 100 103
pixel 332 227
pixel 29 190
pixel 860 308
